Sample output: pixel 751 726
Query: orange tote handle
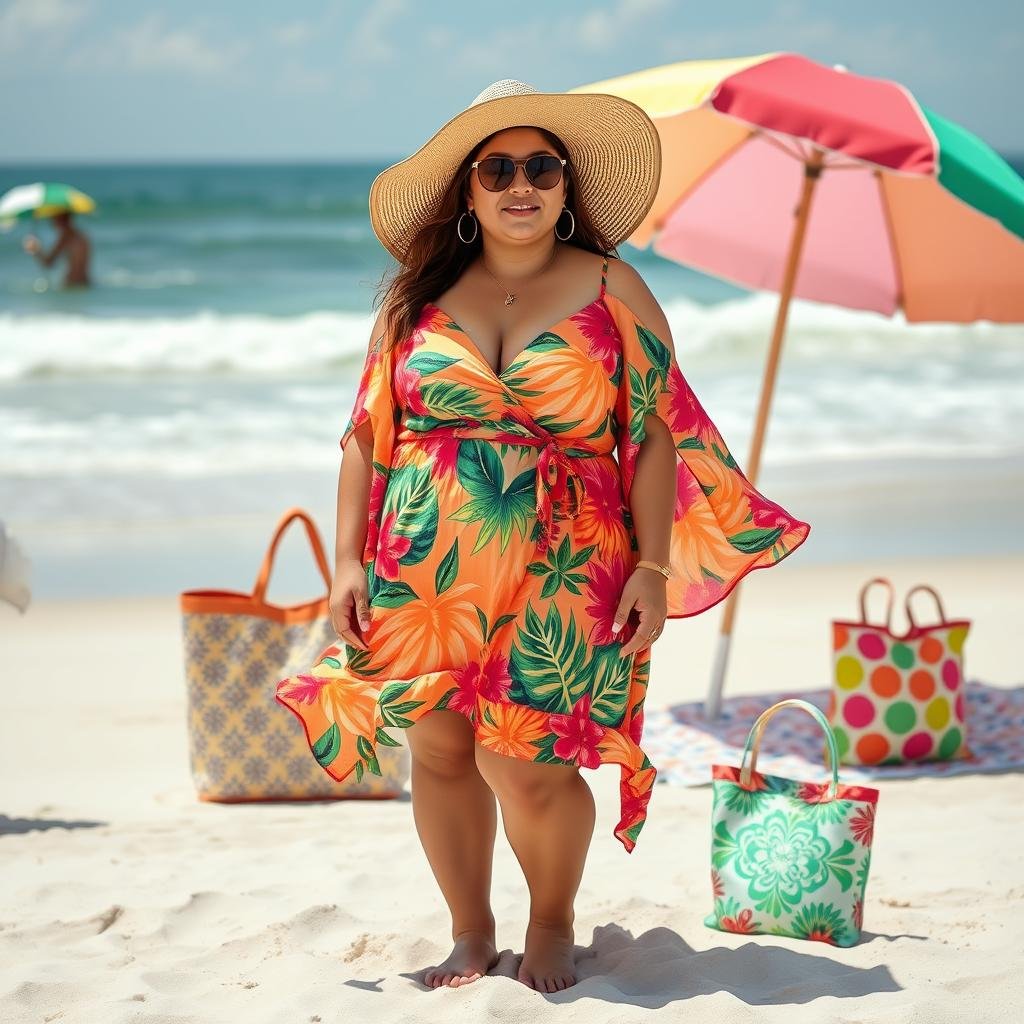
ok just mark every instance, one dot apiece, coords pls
pixel 260 590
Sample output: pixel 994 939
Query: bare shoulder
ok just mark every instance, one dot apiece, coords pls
pixel 380 324
pixel 626 284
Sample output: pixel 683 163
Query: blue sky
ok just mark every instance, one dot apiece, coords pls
pixel 102 80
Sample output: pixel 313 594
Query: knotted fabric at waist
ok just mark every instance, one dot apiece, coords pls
pixel 559 485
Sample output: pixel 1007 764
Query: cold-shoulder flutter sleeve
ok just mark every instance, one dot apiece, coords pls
pixel 723 527
pixel 375 401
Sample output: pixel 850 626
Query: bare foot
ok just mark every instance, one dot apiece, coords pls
pixel 548 963
pixel 473 956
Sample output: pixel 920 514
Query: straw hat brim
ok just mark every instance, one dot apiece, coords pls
pixel 613 147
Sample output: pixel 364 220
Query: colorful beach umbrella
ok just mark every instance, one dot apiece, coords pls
pixel 43 199
pixel 785 174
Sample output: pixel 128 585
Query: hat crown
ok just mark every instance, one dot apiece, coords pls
pixel 504 87
pixel 612 143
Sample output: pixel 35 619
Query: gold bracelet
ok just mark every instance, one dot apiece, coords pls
pixel 665 570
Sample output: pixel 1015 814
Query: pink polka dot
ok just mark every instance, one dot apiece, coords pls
pixel 871 645
pixel 950 674
pixel 858 711
pixel 917 746
pixel 959 706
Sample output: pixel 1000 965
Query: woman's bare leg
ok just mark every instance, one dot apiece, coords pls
pixel 456 819
pixel 548 813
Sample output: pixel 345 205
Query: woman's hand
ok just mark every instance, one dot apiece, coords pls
pixel 31 245
pixel 644 590
pixel 349 600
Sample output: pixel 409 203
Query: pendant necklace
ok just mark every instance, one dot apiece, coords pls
pixel 509 296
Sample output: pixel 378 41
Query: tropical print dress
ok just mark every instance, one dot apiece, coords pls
pixel 500 537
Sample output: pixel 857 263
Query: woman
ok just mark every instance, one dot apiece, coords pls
pixel 500 575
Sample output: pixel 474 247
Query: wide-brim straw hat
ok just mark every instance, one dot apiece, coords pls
pixel 613 148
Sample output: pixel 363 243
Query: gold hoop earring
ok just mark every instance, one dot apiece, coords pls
pixel 476 226
pixel 563 238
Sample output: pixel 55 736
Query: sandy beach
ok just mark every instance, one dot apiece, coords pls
pixel 126 899
pixel 203 213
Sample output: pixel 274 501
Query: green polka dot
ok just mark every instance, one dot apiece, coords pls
pixel 902 656
pixel 842 741
pixel 901 716
pixel 950 743
pixel 937 713
pixel 849 673
pixel 892 760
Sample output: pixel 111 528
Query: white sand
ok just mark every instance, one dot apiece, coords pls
pixel 125 899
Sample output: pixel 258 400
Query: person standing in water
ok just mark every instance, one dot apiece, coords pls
pixel 72 243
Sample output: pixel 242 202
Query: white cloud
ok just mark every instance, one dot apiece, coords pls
pixel 150 45
pixel 602 29
pixel 294 33
pixel 373 39
pixel 32 24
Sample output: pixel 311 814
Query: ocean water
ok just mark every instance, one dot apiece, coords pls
pixel 149 423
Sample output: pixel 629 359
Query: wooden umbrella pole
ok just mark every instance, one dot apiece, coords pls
pixel 812 171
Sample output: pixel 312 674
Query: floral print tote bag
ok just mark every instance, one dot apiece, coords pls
pixel 789 858
pixel 243 746
pixel 898 699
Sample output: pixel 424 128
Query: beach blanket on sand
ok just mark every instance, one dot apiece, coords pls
pixel 683 746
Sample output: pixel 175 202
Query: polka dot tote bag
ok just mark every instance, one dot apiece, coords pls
pixel 898 699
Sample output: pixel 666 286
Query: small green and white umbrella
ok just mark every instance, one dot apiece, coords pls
pixel 43 199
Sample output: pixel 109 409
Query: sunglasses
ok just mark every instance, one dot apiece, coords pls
pixel 497 172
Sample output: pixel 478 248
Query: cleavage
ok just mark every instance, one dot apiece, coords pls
pixel 499 372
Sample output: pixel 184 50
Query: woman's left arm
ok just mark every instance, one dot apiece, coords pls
pixel 653 492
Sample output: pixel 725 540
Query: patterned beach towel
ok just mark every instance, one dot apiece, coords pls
pixel 683 746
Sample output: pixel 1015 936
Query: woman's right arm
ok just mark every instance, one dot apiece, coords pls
pixel 349 591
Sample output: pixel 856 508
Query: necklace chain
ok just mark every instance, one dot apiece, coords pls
pixel 509 296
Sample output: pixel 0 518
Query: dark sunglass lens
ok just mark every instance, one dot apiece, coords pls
pixel 496 172
pixel 544 171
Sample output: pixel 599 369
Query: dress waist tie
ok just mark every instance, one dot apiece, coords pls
pixel 559 485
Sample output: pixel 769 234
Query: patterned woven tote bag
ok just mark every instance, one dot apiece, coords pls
pixel 898 699
pixel 243 746
pixel 789 858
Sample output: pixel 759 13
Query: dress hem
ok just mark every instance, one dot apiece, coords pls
pixel 489 718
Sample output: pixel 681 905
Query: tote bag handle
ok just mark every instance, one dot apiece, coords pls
pixel 863 601
pixel 260 589
pixel 754 741
pixel 938 601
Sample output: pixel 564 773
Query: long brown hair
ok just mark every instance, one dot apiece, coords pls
pixel 437 256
